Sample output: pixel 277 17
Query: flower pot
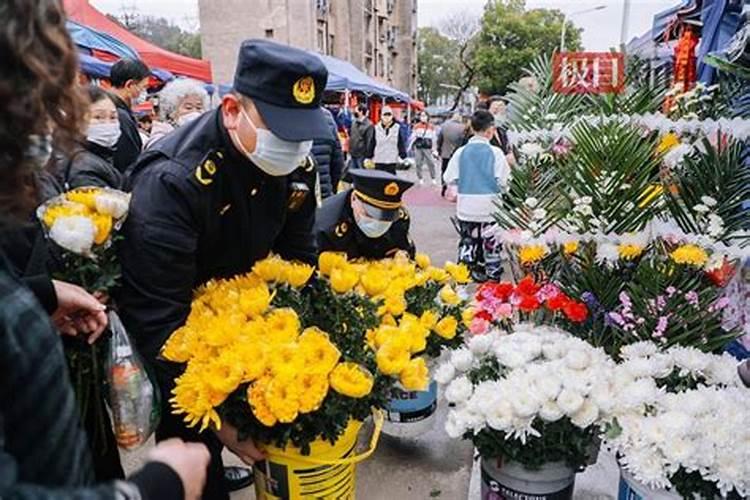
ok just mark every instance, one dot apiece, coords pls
pixel 411 413
pixel 512 481
pixel 329 471
pixel 630 489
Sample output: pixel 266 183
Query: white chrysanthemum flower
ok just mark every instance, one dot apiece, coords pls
pixel 709 201
pixel 638 393
pixel 455 424
pixel 690 359
pixel 445 373
pixel 577 359
pixel 552 351
pixel 512 358
pixel 586 415
pixel 638 350
pixel 539 213
pixel 531 202
pixel 722 370
pixel 462 359
pixel 548 387
pixel 531 149
pixel 525 404
pixel 112 204
pixel 459 390
pixel 639 367
pixel 75 233
pixel 701 209
pixel 481 344
pixel 550 412
pixel 607 253
pixel 603 397
pixel 569 401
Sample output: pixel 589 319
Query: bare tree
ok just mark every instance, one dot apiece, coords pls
pixel 463 28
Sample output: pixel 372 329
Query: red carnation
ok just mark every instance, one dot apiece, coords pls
pixel 558 302
pixel 527 286
pixel 502 291
pixel 483 315
pixel 576 312
pixel 528 303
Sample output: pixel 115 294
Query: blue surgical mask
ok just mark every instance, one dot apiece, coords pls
pixel 373 228
pixel 273 155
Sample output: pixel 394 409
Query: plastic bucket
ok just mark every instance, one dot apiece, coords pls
pixel 411 413
pixel 327 472
pixel 512 481
pixel 630 489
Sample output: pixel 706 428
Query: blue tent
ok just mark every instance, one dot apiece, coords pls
pixel 686 10
pixel 343 75
pixel 96 68
pixel 91 39
pixel 721 20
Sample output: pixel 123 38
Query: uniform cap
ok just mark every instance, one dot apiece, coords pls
pixel 286 86
pixel 380 192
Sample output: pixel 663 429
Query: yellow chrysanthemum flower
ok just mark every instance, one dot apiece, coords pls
pixel 270 269
pixel 313 389
pixel 224 373
pixel 447 327
pixel 690 254
pixel 255 301
pixel 176 348
pixel 459 272
pixel 531 254
pixel 395 305
pixel 351 380
pixel 392 358
pixel 103 224
pixel 422 260
pixel 283 396
pixel 668 142
pixel 415 376
pixel 449 296
pixel 256 397
pixel 343 278
pixel 420 279
pixel 388 319
pixel 52 213
pixel 570 247
pixel 220 330
pixel 253 358
pixel 327 261
pixel 429 319
pixel 84 196
pixel 439 275
pixel 190 399
pixel 629 251
pixel 467 316
pixel 282 325
pixel 297 275
pixel 319 354
pixel 285 360
pixel 374 281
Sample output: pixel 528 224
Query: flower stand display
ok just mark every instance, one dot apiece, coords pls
pixel 511 480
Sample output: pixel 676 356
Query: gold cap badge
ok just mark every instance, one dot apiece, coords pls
pixel 391 189
pixel 304 90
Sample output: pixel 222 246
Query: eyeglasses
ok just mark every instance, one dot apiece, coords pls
pixel 387 114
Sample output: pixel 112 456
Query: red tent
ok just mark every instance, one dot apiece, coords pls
pixel 82 12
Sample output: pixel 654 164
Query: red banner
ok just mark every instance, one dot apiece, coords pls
pixel 588 73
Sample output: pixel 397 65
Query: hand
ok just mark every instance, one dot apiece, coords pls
pixel 78 312
pixel 245 450
pixel 188 460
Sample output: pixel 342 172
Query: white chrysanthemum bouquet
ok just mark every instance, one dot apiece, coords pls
pixel 538 395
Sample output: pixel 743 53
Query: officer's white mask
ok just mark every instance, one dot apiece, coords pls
pixel 273 155
pixel 372 228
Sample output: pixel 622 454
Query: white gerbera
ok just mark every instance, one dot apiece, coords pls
pixel 569 401
pixel 445 373
pixel 462 359
pixel 75 233
pixel 459 390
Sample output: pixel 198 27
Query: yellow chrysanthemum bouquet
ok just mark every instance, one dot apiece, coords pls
pixel 289 355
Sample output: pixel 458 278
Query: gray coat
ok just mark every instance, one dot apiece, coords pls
pixel 450 138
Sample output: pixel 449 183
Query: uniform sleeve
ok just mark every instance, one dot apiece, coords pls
pixel 157 253
pixel 451 173
pixel 297 239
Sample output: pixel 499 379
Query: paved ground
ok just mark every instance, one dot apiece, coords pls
pixel 431 465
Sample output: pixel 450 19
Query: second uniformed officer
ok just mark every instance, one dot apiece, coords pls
pixel 368 220
pixel 214 197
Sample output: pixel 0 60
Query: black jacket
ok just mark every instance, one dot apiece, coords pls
pixel 337 231
pixel 201 210
pixel 329 159
pixel 90 165
pixel 130 145
pixel 362 139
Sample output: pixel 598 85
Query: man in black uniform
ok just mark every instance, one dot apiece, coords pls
pixel 214 197
pixel 368 220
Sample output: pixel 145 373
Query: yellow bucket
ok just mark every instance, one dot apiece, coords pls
pixel 327 472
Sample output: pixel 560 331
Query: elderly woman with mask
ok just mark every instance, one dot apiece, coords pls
pixel 180 101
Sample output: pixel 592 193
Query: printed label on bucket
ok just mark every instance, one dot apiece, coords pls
pixel 493 490
pixel 412 406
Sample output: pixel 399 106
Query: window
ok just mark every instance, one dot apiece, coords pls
pixel 331 44
pixel 380 69
pixel 269 33
pixel 321 40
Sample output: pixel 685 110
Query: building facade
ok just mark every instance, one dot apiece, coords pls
pixel 377 36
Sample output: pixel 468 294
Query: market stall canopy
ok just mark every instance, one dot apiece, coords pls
pixel 343 75
pixel 721 20
pixel 665 21
pixel 83 13
pixel 647 48
pixel 96 41
pixel 96 68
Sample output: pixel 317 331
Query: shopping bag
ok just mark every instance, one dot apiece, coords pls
pixel 133 399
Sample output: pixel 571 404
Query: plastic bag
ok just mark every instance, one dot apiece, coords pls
pixel 133 399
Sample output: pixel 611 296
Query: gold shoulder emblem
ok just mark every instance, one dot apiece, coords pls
pixel 391 189
pixel 341 229
pixel 403 214
pixel 205 172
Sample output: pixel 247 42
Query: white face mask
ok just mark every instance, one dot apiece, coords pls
pixel 274 156
pixel 140 98
pixel 187 118
pixel 104 134
pixel 373 228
